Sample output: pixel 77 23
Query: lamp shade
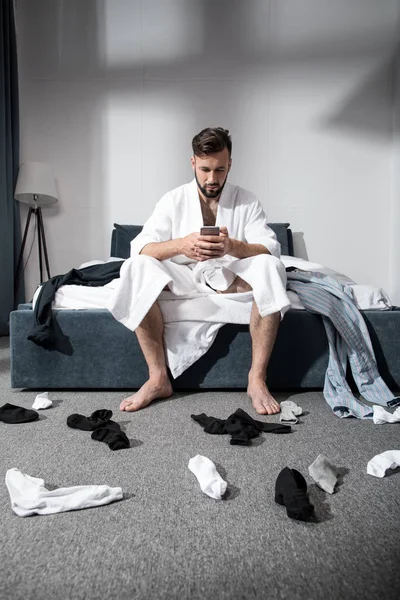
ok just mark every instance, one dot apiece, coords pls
pixel 36 179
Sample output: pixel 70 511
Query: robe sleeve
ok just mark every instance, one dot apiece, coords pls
pixel 257 231
pixel 158 227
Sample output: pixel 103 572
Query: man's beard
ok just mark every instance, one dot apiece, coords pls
pixel 210 193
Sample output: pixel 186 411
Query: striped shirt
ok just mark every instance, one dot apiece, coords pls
pixel 348 340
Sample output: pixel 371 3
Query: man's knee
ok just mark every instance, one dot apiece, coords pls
pixel 267 261
pixel 141 264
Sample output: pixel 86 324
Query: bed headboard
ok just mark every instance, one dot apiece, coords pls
pixel 122 236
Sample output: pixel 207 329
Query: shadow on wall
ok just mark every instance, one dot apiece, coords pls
pixel 164 84
pixel 367 111
pixel 224 47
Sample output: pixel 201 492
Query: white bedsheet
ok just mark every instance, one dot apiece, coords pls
pixel 79 297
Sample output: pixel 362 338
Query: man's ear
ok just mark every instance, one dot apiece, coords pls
pixel 229 165
pixel 193 161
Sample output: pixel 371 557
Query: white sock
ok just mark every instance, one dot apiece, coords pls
pixel 30 497
pixel 324 473
pixel 208 477
pixel 42 401
pixel 378 465
pixel 290 411
pixel 384 416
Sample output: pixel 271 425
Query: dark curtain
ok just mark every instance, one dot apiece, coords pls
pixel 10 230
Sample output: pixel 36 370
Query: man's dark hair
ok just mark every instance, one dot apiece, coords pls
pixel 211 140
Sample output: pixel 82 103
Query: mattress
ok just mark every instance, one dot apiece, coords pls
pixel 78 297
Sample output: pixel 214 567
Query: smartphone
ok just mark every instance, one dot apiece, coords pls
pixel 209 230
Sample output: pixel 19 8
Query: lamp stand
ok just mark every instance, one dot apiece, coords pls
pixel 42 248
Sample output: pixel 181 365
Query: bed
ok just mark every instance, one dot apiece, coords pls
pixel 102 353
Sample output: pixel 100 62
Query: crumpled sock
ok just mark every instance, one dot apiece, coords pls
pixel 42 401
pixel 10 413
pixel 291 492
pixel 324 473
pixel 264 426
pixel 290 411
pixel 240 425
pixel 382 416
pixel 210 481
pixel 99 418
pixel 112 435
pixel 211 425
pixel 30 497
pixel 379 464
pixel 241 433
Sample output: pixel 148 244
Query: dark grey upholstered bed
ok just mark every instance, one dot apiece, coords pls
pixel 104 354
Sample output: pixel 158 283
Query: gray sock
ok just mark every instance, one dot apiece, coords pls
pixel 323 473
pixel 290 411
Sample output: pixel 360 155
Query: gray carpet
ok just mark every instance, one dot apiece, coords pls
pixel 167 539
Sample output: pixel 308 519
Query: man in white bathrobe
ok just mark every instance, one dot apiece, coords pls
pixel 243 258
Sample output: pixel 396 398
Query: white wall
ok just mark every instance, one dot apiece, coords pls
pixel 112 92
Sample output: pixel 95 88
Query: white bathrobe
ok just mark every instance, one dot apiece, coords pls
pixel 178 214
pixel 192 311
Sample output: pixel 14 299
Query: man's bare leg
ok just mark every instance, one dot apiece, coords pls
pixel 150 338
pixel 263 333
pixel 237 286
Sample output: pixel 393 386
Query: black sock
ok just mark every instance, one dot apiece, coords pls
pixel 99 418
pixel 9 413
pixel 241 435
pixel 243 428
pixel 111 435
pixel 260 425
pixel 291 492
pixel 210 424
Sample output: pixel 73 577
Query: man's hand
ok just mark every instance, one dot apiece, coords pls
pixel 213 246
pixel 226 240
pixel 189 246
pixel 203 247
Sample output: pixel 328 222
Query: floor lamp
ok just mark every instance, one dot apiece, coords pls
pixel 35 186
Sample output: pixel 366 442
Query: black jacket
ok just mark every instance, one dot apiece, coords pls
pixel 46 332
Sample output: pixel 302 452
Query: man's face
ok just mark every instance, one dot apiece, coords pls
pixel 211 172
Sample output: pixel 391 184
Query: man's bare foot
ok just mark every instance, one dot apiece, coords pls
pixel 151 390
pixel 263 402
